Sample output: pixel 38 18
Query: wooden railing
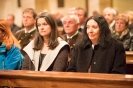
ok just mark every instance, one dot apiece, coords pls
pixel 129 61
pixel 36 79
pixel 129 57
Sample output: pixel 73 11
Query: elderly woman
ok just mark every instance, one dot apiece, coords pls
pixel 121 31
pixel 98 52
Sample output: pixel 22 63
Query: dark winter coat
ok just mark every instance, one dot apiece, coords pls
pixel 111 59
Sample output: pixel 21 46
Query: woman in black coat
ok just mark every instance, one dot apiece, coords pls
pixel 98 52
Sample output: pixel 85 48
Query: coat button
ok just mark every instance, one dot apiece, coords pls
pixel 94 62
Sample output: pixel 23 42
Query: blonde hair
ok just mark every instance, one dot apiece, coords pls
pixel 130 16
pixel 123 17
pixel 8 37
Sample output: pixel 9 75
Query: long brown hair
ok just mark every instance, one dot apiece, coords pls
pixel 39 41
pixel 8 37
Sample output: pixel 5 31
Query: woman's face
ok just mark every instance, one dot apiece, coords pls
pixel 120 25
pixel 93 31
pixel 43 27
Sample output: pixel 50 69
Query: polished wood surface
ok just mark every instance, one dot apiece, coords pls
pixel 129 57
pixel 129 61
pixel 36 79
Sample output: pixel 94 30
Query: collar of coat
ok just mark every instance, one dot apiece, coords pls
pixel 48 59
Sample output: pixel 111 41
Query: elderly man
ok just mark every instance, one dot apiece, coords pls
pixel 81 14
pixel 110 14
pixel 72 36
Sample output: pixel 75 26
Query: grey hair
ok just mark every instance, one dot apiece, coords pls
pixel 75 17
pixel 112 10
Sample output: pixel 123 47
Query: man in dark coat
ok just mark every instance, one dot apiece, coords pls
pixel 10 19
pixel 26 34
pixel 72 36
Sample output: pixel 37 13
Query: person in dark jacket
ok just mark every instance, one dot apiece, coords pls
pixel 10 19
pixel 72 36
pixel 98 52
pixel 26 34
pixel 121 31
pixel 10 55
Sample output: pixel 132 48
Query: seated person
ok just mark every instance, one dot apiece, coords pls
pixel 47 52
pixel 25 35
pixel 98 52
pixel 121 31
pixel 11 21
pixel 72 36
pixel 10 55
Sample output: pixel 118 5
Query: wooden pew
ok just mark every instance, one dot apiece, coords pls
pixel 129 61
pixel 36 79
pixel 129 57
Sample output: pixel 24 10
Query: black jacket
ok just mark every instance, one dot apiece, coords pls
pixel 111 59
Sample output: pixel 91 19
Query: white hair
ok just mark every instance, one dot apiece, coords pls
pixel 112 10
pixel 75 17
